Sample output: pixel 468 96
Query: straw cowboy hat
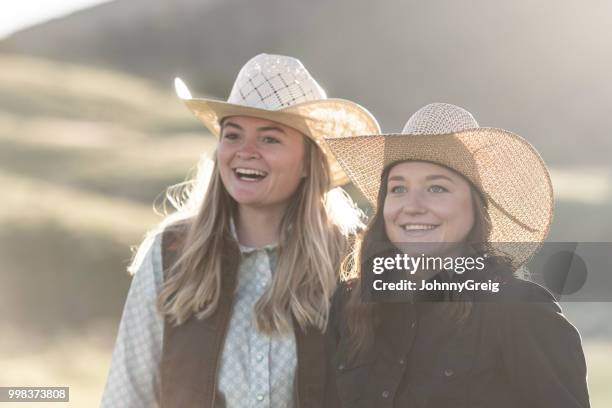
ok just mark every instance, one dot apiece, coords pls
pixel 280 89
pixel 505 168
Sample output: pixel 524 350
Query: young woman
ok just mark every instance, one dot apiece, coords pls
pixel 228 304
pixel 449 189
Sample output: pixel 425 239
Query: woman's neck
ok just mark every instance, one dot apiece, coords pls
pixel 256 227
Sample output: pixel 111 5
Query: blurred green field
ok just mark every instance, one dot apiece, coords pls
pixel 83 155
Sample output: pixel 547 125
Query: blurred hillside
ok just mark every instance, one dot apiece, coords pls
pixel 91 134
pixel 536 68
pixel 83 155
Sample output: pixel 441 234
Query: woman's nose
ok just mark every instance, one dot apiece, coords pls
pixel 413 204
pixel 245 154
pixel 247 151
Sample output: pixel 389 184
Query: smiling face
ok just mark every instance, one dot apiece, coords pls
pixel 261 162
pixel 426 203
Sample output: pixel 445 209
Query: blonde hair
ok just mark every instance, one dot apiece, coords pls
pixel 312 244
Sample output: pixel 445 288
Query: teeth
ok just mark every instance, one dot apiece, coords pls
pixel 250 172
pixel 418 227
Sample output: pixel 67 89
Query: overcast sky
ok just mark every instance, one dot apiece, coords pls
pixel 18 14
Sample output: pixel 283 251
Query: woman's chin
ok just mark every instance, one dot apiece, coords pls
pixel 418 237
pixel 258 201
pixel 247 200
pixel 420 248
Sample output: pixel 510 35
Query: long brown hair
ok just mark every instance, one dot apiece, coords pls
pixel 362 318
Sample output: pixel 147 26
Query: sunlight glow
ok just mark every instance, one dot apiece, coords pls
pixel 181 89
pixel 17 15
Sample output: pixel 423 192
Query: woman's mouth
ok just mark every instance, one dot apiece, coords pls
pixel 246 174
pixel 418 229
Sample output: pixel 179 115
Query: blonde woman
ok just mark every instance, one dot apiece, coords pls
pixel 228 303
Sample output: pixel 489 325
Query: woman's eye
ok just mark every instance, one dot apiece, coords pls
pixel 397 189
pixel 437 189
pixel 270 139
pixel 230 136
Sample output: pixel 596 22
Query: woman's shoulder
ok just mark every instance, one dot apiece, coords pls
pixel 162 241
pixel 522 303
pixel 523 290
pixel 173 235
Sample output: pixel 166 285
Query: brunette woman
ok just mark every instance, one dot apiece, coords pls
pixel 447 188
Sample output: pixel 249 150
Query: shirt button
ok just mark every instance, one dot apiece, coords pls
pixel 449 372
pixel 259 356
pixel 385 394
pixel 260 397
pixel 341 367
pixel 413 325
pixel 401 361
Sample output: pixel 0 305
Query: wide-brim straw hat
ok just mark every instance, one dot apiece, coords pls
pixel 507 170
pixel 280 89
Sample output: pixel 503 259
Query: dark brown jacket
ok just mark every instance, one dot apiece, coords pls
pixel 191 352
pixel 515 350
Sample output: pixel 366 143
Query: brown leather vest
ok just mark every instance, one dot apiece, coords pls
pixel 191 352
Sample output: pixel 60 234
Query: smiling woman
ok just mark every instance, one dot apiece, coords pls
pixel 230 303
pixel 261 162
pixel 427 202
pixel 475 338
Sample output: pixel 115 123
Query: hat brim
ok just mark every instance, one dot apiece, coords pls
pixel 317 119
pixel 507 170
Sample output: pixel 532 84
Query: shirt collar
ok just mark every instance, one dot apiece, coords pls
pixel 246 249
